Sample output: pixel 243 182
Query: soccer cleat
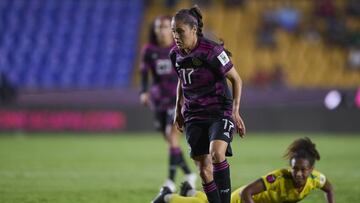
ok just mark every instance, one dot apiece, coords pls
pixel 160 197
pixel 185 188
pixel 191 179
pixel 170 184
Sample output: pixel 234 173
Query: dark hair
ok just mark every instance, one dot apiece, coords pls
pixel 193 17
pixel 303 148
pixel 152 34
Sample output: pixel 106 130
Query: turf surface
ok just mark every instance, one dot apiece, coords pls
pixel 129 168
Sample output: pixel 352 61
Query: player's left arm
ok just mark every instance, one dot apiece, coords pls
pixel 236 82
pixel 249 191
pixel 329 191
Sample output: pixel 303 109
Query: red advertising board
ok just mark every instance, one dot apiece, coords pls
pixel 62 120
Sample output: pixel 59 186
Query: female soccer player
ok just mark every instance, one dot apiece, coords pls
pixel 283 185
pixel 162 94
pixel 204 104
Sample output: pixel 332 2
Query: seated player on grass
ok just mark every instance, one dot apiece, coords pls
pixel 283 185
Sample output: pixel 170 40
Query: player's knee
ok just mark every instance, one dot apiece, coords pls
pixel 217 156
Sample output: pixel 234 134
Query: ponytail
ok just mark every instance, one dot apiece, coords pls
pixel 193 18
pixel 195 12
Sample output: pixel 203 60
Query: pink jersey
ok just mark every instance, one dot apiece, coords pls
pixel 156 60
pixel 202 72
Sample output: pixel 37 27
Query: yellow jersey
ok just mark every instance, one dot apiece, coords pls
pixel 280 188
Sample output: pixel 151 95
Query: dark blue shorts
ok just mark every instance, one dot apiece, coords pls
pixel 199 134
pixel 163 119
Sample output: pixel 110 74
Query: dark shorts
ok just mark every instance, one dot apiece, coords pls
pixel 199 134
pixel 163 119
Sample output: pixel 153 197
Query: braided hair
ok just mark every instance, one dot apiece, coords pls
pixel 303 148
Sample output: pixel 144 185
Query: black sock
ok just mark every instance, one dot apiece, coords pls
pixel 222 179
pixel 182 163
pixel 173 162
pixel 211 192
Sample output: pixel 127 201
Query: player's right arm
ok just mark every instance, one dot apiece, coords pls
pixel 252 189
pixel 178 118
pixel 144 76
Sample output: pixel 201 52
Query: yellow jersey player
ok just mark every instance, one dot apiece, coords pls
pixel 283 185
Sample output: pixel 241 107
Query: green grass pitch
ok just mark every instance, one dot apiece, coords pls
pixel 129 168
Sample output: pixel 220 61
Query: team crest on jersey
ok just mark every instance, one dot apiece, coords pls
pixel 196 61
pixel 270 178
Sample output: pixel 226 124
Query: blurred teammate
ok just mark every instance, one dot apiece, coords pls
pixel 283 185
pixel 204 104
pixel 161 95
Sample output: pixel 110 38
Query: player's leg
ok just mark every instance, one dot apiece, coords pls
pixel 176 154
pixel 221 136
pixel 174 151
pixel 161 124
pixel 166 196
pixel 197 136
pixel 187 190
pixel 201 195
pixel 221 169
pixel 204 164
pixel 175 198
pixel 160 198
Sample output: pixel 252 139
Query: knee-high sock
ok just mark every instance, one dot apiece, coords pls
pixel 182 163
pixel 212 192
pixel 222 180
pixel 173 162
pixel 177 160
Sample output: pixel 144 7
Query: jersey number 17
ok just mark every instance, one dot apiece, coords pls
pixel 186 75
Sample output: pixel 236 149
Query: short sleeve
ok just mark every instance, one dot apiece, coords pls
pixel 172 56
pixel 220 60
pixel 319 179
pixel 271 181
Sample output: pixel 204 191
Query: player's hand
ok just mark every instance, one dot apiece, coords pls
pixel 240 126
pixel 179 121
pixel 144 99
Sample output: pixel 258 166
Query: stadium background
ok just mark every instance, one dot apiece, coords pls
pixel 69 73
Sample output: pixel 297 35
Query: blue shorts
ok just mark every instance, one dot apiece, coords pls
pixel 199 134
